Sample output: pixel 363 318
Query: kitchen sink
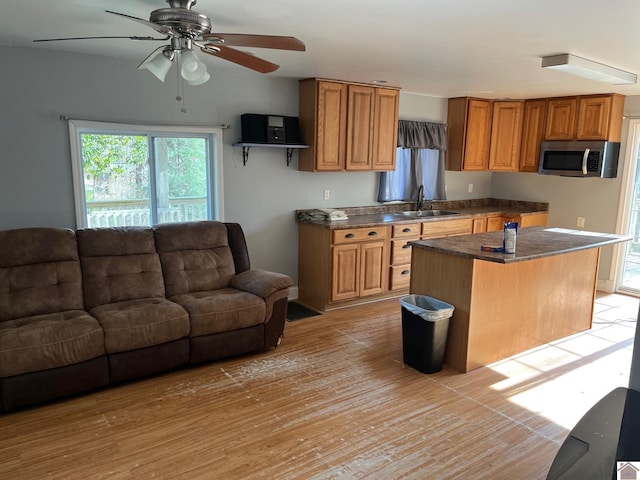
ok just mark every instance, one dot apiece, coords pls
pixel 425 213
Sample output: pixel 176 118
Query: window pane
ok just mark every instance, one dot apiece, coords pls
pixel 181 178
pixel 116 179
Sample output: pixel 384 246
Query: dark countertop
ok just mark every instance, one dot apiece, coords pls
pixel 531 243
pixel 374 216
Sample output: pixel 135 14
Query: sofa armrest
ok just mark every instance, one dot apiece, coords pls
pixel 261 282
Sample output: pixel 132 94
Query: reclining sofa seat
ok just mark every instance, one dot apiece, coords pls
pixel 144 333
pixel 233 309
pixel 49 345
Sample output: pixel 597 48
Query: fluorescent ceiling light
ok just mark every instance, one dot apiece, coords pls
pixel 588 69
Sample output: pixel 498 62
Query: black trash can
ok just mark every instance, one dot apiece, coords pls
pixel 425 324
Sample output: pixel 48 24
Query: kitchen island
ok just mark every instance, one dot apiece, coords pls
pixel 508 303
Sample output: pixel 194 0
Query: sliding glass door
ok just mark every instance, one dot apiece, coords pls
pixel 629 265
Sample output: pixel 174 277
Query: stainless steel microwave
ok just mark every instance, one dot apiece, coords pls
pixel 579 158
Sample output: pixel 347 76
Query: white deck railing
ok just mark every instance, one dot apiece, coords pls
pixel 137 212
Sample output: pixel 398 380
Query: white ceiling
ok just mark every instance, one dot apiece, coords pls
pixel 443 48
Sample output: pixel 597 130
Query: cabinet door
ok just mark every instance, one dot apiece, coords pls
pixel 593 118
pixel 372 268
pixel 344 271
pixel 331 125
pixel 479 225
pixel 506 132
pixel 385 138
pixel 534 220
pixel 477 136
pixel 532 134
pixel 561 119
pixel 360 127
pixel 495 224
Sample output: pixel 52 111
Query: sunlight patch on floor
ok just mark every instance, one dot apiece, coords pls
pixel 541 379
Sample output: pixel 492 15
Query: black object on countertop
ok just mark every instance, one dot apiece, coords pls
pixel 604 440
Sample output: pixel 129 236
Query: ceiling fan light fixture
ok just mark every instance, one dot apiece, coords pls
pixel 159 62
pixel 204 79
pixel 585 68
pixel 193 69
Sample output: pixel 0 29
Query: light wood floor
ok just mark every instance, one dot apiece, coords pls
pixel 333 401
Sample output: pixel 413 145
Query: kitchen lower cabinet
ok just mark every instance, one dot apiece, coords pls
pixel 338 267
pixel 495 224
pixel 479 225
pixel 357 270
pixel 447 228
pixel 347 266
pixel 400 270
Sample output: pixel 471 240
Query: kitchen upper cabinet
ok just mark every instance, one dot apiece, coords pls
pixel 469 128
pixel 533 123
pixel 385 135
pixel 359 127
pixel 561 118
pixel 588 117
pixel 347 126
pixel 600 117
pixel 323 125
pixel 506 133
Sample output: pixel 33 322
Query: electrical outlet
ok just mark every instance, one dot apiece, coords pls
pixel 580 222
pixel 326 194
pixel 471 188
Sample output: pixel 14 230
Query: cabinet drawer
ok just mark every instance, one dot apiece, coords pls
pixel 447 228
pixel 400 277
pixel 407 230
pixel 401 251
pixel 350 235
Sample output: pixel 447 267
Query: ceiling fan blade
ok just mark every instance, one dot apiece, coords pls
pixel 158 28
pixel 241 58
pixel 94 38
pixel 258 41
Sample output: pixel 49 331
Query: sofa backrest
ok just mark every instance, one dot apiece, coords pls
pixel 119 264
pixel 39 272
pixel 195 256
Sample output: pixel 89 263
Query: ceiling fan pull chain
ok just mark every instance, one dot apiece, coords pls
pixel 180 82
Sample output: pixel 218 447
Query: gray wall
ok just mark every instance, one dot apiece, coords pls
pixel 35 179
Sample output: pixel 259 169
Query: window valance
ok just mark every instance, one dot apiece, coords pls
pixel 412 134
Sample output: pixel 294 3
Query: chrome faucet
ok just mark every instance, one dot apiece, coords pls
pixel 420 201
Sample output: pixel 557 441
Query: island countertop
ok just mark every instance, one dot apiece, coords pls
pixel 531 243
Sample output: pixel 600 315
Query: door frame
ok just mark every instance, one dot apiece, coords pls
pixel 630 167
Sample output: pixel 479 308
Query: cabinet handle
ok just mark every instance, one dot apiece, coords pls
pixel 406 230
pixel 406 245
pixel 349 235
pixel 373 234
pixel 405 272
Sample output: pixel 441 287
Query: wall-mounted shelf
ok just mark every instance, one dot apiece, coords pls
pixel 289 146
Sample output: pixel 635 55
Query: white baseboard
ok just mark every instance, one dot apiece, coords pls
pixel 605 286
pixel 293 292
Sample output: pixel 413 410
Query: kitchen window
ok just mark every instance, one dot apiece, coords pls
pixel 419 162
pixel 135 175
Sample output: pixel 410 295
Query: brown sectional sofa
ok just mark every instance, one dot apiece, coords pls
pixel 80 310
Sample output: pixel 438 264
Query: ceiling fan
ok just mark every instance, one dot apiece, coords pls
pixel 185 29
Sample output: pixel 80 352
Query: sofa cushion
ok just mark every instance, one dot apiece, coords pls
pixel 195 256
pixel 39 272
pixel 141 323
pixel 48 341
pixel 119 264
pixel 222 310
